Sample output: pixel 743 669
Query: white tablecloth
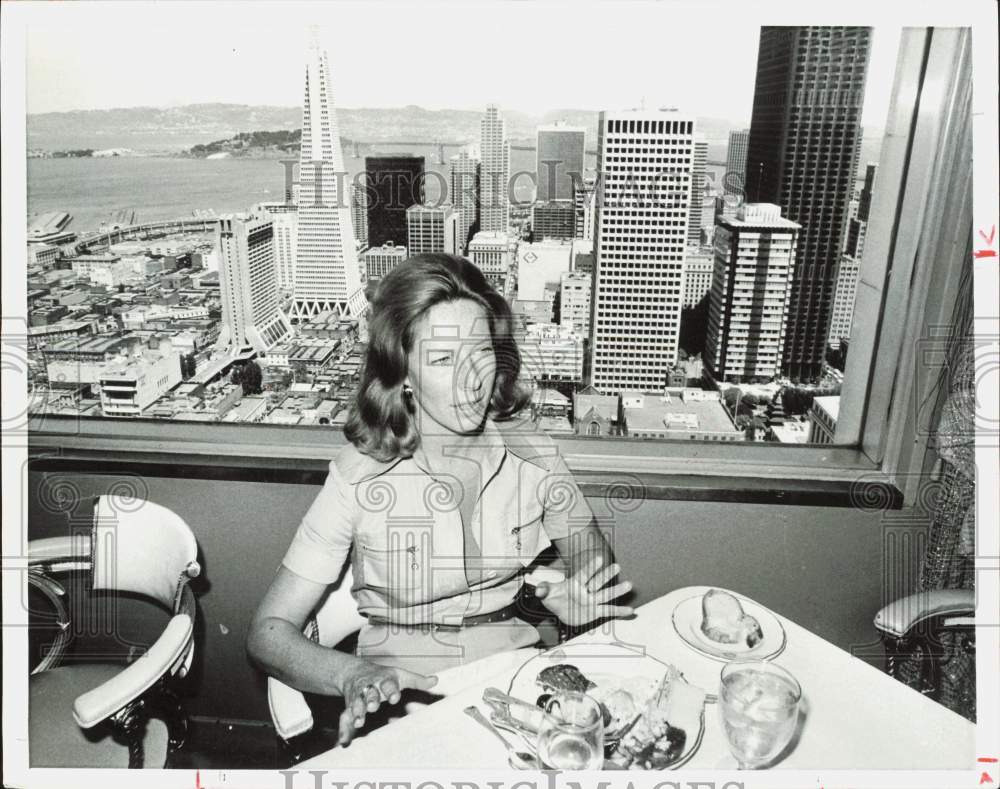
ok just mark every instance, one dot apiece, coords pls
pixel 854 716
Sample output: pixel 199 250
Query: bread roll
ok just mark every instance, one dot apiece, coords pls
pixel 725 621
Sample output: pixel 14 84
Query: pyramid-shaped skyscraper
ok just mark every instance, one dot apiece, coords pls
pixel 327 276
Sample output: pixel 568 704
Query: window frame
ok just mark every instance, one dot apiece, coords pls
pixel 883 441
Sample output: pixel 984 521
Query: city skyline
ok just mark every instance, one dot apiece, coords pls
pixel 65 73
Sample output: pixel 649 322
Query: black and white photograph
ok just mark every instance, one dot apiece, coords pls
pixel 500 394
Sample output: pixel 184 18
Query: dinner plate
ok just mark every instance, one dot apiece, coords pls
pixel 611 667
pixel 687 618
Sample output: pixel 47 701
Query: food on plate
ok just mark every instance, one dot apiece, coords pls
pixel 646 721
pixel 652 748
pixel 564 677
pixel 725 621
pixel 621 711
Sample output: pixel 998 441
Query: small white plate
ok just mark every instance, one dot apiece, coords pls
pixel 687 619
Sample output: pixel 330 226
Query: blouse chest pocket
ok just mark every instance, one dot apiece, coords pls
pixel 527 537
pixel 401 570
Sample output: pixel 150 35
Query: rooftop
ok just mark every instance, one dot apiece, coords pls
pixel 657 413
pixel 96 344
pixel 762 215
pixel 605 405
pixel 828 403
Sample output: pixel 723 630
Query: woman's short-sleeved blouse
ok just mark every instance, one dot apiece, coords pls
pixel 404 523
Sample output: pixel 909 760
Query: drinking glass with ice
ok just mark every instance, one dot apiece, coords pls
pixel 759 707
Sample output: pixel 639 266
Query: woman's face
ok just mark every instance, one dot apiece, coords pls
pixel 452 368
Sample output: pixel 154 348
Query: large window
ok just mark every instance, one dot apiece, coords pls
pixel 835 412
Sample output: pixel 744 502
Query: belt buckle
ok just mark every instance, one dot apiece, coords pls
pixel 445 627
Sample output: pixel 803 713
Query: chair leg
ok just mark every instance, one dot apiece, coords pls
pixel 165 702
pixel 129 725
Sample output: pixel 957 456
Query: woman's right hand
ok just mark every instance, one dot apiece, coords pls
pixel 367 686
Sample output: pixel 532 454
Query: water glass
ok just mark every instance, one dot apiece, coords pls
pixel 759 707
pixel 571 736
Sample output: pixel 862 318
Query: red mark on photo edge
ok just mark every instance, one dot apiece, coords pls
pixel 984 777
pixel 987 253
pixel 197 779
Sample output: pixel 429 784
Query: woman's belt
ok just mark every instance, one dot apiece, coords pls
pixel 502 615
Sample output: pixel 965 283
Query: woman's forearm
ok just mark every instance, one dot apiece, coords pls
pixel 283 652
pixel 583 546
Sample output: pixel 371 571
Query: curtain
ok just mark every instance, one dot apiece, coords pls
pixel 949 561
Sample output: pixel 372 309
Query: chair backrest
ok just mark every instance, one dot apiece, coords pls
pixel 142 547
pixel 336 617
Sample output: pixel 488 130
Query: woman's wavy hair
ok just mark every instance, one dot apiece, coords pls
pixel 381 420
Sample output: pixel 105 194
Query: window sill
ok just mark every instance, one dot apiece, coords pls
pixel 815 476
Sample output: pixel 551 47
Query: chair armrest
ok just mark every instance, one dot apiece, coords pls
pixel 289 711
pixel 61 553
pixel 898 617
pixel 95 705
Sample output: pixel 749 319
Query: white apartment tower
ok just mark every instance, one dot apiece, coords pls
pixel 327 276
pixel 645 158
pixel 251 318
pixel 431 229
pixel 463 182
pixel 698 169
pixel 751 291
pixel 285 219
pixel 494 207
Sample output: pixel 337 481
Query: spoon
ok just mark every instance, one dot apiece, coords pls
pixel 521 760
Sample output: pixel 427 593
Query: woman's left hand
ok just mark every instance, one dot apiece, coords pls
pixel 583 598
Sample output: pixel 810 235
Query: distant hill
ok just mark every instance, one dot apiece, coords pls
pixel 178 128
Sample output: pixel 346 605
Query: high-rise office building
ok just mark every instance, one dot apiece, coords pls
pixel 857 225
pixel 736 162
pixel 644 157
pixel 248 285
pixel 431 229
pixel 379 261
pixel 558 156
pixel 699 165
pixel 584 201
pixel 555 219
pixel 326 268
pixel 540 265
pixel 804 136
pixel 463 183
pixel 494 254
pixel 842 316
pixel 849 266
pixel 494 204
pixel 395 183
pixel 359 212
pixel 698 267
pixel 751 287
pixel 574 301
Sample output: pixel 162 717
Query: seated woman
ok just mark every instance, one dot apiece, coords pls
pixel 445 497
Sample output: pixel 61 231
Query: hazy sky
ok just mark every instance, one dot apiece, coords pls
pixel 529 56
